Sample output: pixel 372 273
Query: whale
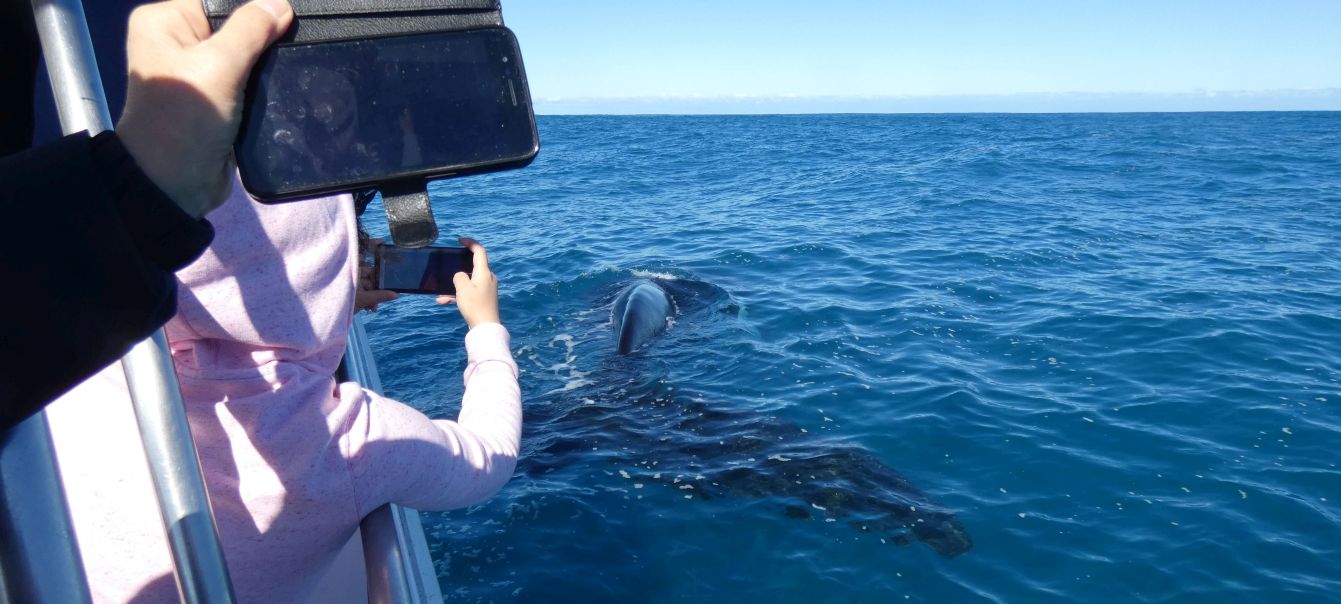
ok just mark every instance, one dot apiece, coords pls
pixel 710 450
pixel 641 312
pixel 691 447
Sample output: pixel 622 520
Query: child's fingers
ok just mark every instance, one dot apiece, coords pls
pixel 462 280
pixel 480 256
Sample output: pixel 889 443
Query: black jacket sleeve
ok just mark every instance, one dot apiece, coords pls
pixel 87 262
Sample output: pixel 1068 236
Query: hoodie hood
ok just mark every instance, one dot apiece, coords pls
pixel 275 287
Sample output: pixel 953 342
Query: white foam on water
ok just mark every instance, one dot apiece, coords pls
pixel 654 275
pixel 570 386
pixel 574 378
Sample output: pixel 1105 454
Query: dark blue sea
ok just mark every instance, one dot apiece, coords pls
pixel 928 358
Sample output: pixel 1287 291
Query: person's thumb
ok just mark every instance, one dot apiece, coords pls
pixel 461 280
pixel 248 31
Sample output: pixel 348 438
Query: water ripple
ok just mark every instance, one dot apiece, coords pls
pixel 1107 344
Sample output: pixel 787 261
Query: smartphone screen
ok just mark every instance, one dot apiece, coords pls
pixel 421 270
pixel 337 116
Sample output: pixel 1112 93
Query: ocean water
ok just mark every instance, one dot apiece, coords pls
pixel 1104 347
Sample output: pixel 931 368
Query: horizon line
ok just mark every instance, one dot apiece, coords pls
pixel 789 97
pixel 1208 101
pixel 1022 112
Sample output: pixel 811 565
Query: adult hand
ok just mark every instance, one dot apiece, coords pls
pixel 476 293
pixel 184 97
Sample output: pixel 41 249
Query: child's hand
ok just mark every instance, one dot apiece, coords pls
pixel 476 293
pixel 366 296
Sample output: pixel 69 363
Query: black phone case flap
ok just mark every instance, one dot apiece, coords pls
pixel 331 20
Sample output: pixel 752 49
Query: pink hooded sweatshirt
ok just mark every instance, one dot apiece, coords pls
pixel 293 461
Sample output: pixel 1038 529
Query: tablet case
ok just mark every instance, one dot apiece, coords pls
pixel 409 215
pixel 331 20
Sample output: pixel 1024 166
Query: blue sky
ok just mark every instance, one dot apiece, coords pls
pixel 750 56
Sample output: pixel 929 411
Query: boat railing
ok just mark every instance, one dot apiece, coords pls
pixel 39 555
pixel 395 551
pixel 39 561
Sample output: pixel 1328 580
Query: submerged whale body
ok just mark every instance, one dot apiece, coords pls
pixel 687 443
pixel 641 312
pixel 657 434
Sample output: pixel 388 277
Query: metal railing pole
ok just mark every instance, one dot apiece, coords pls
pixel 202 575
pixel 39 558
pixel 81 103
pixel 395 553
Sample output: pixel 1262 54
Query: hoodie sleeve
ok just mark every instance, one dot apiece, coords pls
pixel 406 458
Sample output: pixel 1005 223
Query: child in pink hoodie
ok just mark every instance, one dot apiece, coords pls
pixel 292 460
